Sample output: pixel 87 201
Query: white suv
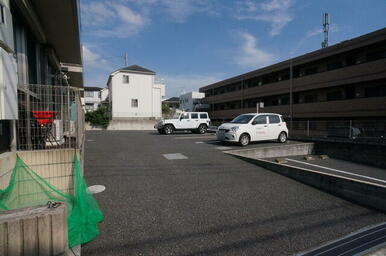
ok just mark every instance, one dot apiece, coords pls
pixel 253 127
pixel 197 122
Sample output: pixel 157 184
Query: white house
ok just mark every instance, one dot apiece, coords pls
pixel 134 93
pixel 92 97
pixel 190 100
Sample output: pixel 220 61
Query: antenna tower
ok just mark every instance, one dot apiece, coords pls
pixel 326 25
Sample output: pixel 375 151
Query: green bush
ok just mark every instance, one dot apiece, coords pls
pixel 165 108
pixel 99 117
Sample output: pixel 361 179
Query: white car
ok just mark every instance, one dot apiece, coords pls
pixel 197 122
pixel 253 127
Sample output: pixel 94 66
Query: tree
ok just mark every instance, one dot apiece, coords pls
pixel 99 117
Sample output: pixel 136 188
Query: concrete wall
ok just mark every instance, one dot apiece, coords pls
pixel 140 87
pixel 56 166
pixel 370 154
pixel 135 124
pixel 279 150
pixel 7 162
pixel 369 195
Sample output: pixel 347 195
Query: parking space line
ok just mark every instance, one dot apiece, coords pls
pixel 191 137
pixel 175 156
pixel 199 142
pixel 223 148
pixel 336 170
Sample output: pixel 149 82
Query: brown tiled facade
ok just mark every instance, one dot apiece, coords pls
pixel 343 81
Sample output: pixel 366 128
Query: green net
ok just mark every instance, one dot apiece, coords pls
pixel 27 189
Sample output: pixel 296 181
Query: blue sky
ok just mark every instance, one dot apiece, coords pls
pixel 192 43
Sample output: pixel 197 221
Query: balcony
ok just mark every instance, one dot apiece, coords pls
pixel 365 107
pixel 348 75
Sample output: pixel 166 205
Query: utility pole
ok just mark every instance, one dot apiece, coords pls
pixel 326 25
pixel 291 98
pixel 126 59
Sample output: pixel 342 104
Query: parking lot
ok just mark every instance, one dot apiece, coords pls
pixel 181 195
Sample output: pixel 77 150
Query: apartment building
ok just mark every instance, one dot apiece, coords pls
pixel 40 49
pixel 94 97
pixel 343 81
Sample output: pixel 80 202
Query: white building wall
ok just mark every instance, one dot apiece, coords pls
pixel 187 100
pixel 140 87
pixel 104 93
pixel 8 67
pixel 95 100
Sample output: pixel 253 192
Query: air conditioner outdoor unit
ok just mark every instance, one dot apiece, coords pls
pixel 57 133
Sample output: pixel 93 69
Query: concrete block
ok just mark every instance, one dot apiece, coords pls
pixel 309 158
pixel 324 157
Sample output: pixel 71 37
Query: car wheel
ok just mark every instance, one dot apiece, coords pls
pixel 202 128
pixel 282 137
pixel 168 129
pixel 244 139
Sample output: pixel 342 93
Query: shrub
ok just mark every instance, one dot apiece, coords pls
pixel 99 117
pixel 165 108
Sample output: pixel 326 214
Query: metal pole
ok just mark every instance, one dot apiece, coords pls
pixel 291 100
pixel 308 128
pixel 349 132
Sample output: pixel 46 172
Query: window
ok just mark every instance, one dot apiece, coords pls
pixel 334 95
pixel 203 116
pixel 375 91
pixel 274 119
pixel 125 79
pixel 311 71
pixel 260 120
pixel 310 98
pixel 194 116
pixel 334 65
pixel 184 116
pixel 134 103
pixel 89 94
pixel 2 14
pixel 350 92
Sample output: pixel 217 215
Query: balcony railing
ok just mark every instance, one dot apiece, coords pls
pixel 50 117
pixel 373 131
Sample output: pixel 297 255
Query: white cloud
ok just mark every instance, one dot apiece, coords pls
pixel 179 84
pixel 109 19
pixel 276 12
pixel 93 60
pixel 179 11
pixel 312 33
pixel 250 55
pixel 182 9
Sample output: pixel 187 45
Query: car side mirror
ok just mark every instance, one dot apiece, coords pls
pixel 254 122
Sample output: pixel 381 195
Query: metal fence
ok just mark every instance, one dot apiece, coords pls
pixel 365 130
pixel 50 117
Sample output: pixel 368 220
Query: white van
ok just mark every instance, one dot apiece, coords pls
pixel 253 127
pixel 197 122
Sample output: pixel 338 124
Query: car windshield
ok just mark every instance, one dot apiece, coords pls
pixel 242 119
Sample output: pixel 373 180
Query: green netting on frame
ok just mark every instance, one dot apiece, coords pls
pixel 26 189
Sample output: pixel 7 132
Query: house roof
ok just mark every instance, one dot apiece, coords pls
pixel 137 69
pixel 92 88
pixel 173 99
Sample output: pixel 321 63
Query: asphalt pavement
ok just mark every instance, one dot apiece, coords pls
pixel 207 203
